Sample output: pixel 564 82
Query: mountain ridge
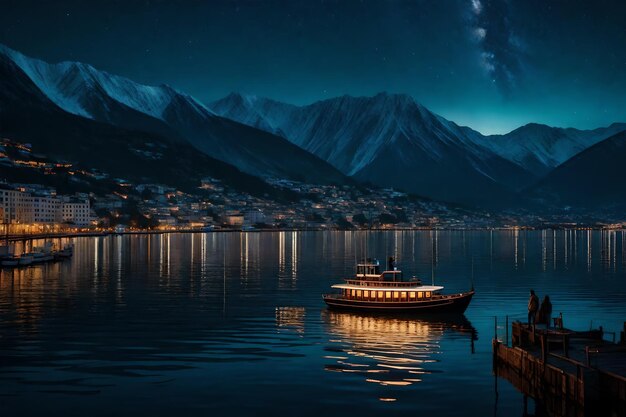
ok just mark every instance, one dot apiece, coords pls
pixel 82 90
pixel 593 178
pixel 354 134
pixel 534 148
pixel 27 115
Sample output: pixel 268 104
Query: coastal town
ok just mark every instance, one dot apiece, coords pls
pixel 43 195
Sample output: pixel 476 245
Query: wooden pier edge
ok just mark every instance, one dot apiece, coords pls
pixel 568 386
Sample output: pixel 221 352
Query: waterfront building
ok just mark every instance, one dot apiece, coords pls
pixel 76 211
pixel 17 206
pixel 46 209
pixel 254 217
pixel 22 207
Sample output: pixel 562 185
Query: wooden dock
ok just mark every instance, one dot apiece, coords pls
pixel 570 373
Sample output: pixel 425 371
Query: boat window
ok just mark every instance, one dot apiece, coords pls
pixel 366 294
pixel 396 295
pixel 403 295
pixel 388 295
pixel 420 294
pixel 427 294
pixel 358 293
pixel 412 294
pixel 353 293
pixel 380 295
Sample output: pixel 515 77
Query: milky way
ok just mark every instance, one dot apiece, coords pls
pixel 500 50
pixel 493 65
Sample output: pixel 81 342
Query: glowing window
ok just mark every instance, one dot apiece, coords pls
pixel 358 293
pixel 388 295
pixel 353 293
pixel 396 295
pixel 412 294
pixel 403 295
pixel 427 294
pixel 420 294
pixel 366 294
pixel 380 295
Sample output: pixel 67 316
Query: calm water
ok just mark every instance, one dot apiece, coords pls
pixel 233 323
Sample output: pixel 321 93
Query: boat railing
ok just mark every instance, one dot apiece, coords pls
pixel 333 295
pixel 375 283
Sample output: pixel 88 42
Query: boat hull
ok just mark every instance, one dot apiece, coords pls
pixel 456 303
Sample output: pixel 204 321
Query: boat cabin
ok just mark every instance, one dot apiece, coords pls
pixel 368 268
pixel 370 271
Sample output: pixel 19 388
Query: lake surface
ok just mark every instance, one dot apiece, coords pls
pixel 227 324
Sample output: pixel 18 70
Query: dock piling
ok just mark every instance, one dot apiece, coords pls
pixel 506 327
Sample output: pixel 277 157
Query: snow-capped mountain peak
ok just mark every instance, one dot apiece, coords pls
pixel 73 85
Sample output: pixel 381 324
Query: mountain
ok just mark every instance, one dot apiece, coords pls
pixel 84 91
pixel 594 178
pixel 388 140
pixel 28 115
pixel 540 148
pixel 262 113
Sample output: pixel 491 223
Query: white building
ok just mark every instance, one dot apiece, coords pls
pixel 20 207
pixel 46 209
pixel 76 211
pixel 17 206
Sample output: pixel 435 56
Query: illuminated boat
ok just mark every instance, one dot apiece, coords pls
pixel 387 291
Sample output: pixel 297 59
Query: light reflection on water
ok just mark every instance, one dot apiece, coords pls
pixel 225 323
pixel 387 350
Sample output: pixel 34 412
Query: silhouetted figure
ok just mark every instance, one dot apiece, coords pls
pixel 533 306
pixel 544 315
pixel 391 264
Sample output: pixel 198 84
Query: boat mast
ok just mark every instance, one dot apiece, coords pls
pixel 472 279
pixel 432 263
pixel 432 274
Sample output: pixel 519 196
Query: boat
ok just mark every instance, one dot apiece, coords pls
pixel 39 257
pixel 10 260
pixel 7 255
pixel 26 259
pixel 43 253
pixel 65 253
pixel 387 291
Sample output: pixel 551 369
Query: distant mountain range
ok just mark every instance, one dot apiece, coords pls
pixel 540 148
pixel 592 179
pixel 388 140
pixel 391 140
pixel 82 90
pixel 28 115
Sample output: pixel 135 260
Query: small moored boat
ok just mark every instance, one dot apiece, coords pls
pixel 387 291
pixel 26 259
pixel 10 260
pixel 65 253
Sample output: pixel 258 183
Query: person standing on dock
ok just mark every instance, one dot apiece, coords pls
pixel 545 311
pixel 533 306
pixel 391 263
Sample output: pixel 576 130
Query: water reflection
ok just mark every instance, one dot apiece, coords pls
pixel 290 318
pixel 388 350
pixel 240 314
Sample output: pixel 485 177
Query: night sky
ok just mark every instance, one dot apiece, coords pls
pixel 491 65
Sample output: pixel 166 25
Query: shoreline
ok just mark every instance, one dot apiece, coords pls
pixel 15 238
